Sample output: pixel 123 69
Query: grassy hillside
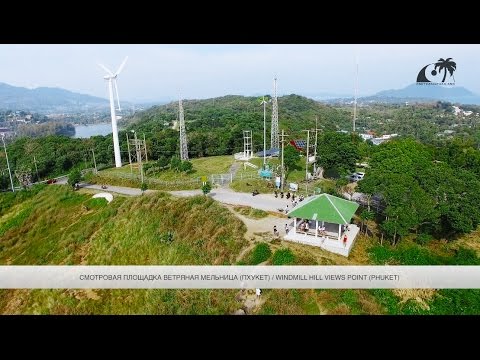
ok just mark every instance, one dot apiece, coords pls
pixel 55 225
pixel 59 226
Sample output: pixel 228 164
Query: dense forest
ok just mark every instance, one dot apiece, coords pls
pixel 215 127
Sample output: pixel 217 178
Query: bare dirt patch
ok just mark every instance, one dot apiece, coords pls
pixel 420 296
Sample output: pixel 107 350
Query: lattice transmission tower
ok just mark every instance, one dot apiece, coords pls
pixel 274 142
pixel 183 133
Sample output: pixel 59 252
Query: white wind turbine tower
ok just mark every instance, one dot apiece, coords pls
pixel 112 88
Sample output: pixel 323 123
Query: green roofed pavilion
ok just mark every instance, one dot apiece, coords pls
pixel 327 208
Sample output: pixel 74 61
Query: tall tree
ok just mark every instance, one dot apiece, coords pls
pixel 338 152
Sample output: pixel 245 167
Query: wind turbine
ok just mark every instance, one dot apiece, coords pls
pixel 112 88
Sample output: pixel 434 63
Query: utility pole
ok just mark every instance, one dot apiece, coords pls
pixel 94 162
pixel 355 99
pixel 274 135
pixel 316 142
pixel 8 163
pixel 139 155
pixel 145 148
pixel 183 133
pixel 129 155
pixel 283 167
pixel 36 169
pixel 264 131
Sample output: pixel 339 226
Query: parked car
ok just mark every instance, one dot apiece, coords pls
pixel 359 175
pixel 356 176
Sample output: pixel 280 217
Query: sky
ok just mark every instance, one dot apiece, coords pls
pixel 156 72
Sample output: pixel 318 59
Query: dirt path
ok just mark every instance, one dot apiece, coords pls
pixel 251 302
pixel 234 168
pixel 258 227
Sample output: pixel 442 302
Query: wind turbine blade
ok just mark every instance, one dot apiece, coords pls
pixel 116 92
pixel 106 69
pixel 121 66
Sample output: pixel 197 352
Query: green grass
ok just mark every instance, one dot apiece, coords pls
pixel 9 199
pixel 175 180
pixel 409 253
pixel 60 226
pixel 261 252
pixel 117 181
pixel 445 301
pixel 283 257
pixel 55 225
pixel 201 167
pixel 250 212
pixel 248 185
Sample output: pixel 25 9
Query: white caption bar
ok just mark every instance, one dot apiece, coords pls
pixel 236 277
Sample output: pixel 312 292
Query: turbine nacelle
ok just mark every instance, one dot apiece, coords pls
pixel 113 77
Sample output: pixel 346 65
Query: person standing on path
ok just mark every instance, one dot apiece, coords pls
pixel 286 229
pixel 345 240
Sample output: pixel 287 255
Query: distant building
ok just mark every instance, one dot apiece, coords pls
pixel 6 132
pixel 383 138
pixel 457 111
pixel 366 136
pixel 377 141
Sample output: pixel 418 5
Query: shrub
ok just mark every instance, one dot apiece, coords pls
pixel 175 163
pixel 74 177
pixel 423 238
pixel 186 166
pixel 206 188
pixel 261 252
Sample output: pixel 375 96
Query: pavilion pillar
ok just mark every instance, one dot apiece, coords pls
pixel 339 229
pixel 295 225
pixel 316 228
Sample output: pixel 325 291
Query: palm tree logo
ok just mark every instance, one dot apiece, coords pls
pixel 446 66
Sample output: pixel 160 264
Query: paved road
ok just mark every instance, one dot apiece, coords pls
pixel 117 189
pixel 265 202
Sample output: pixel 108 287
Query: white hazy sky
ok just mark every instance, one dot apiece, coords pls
pixel 156 72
